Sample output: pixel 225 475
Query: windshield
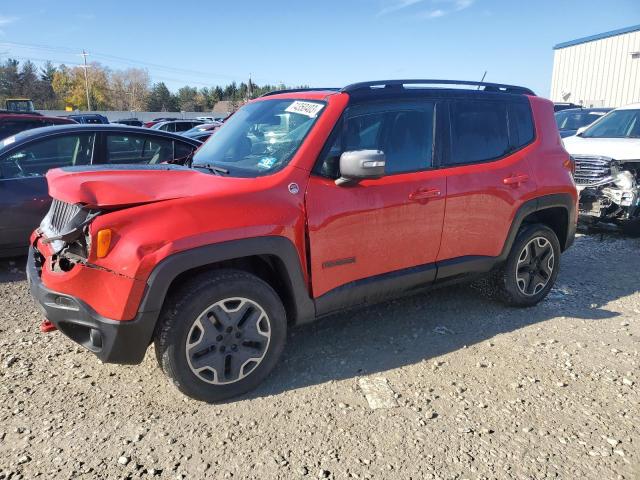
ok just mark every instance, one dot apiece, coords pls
pixel 617 124
pixel 568 120
pixel 260 138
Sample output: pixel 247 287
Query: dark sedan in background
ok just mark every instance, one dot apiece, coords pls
pixel 27 156
pixel 12 123
pixel 570 120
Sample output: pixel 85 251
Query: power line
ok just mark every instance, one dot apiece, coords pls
pixel 130 61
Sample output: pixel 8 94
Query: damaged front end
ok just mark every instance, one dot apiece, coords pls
pixel 609 191
pixel 65 229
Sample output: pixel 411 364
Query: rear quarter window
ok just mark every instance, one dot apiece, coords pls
pixel 520 124
pixel 479 131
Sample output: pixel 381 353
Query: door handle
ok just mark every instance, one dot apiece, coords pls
pixel 516 180
pixel 424 194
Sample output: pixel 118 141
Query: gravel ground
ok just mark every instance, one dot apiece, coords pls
pixel 456 386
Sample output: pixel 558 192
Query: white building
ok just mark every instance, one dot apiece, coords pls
pixel 598 71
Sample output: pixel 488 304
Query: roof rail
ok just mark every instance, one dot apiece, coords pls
pixel 295 90
pixel 488 87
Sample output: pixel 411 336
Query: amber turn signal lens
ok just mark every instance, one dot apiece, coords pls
pixel 103 242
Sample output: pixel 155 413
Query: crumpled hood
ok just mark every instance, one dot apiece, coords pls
pixel 621 149
pixel 120 185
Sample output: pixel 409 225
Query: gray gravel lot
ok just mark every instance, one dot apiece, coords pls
pixel 481 391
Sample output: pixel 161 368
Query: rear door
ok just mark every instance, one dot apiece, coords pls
pixel 24 198
pixel 488 175
pixel 374 227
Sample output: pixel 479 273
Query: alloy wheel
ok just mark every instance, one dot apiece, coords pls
pixel 535 266
pixel 228 340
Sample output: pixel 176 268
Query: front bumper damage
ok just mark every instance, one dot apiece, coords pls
pixel 609 190
pixel 112 341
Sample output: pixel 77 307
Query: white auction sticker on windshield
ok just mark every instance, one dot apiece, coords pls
pixel 310 109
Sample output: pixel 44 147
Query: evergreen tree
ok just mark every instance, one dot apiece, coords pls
pixel 161 100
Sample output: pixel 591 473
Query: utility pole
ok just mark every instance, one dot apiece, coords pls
pixel 250 88
pixel 86 78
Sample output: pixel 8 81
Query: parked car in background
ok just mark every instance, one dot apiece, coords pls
pixel 13 122
pixel 559 106
pixel 89 118
pixel 571 119
pixel 157 120
pixel 202 136
pixel 132 122
pixel 307 202
pixel 202 128
pixel 176 125
pixel 208 119
pixel 27 156
pixel 607 157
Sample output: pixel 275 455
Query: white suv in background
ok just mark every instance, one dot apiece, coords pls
pixel 607 156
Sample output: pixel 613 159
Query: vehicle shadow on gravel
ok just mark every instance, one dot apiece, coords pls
pixel 12 269
pixel 418 328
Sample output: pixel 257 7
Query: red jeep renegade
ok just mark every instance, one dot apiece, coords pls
pixel 305 202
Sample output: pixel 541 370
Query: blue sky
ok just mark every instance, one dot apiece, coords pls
pixel 319 43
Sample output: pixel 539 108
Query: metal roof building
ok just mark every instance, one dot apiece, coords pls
pixel 598 71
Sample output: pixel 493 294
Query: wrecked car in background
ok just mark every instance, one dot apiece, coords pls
pixel 607 158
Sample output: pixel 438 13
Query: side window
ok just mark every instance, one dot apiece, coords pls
pixel 520 124
pixel 405 135
pixel 182 150
pixel 124 148
pixel 182 126
pixel 39 157
pixel 479 131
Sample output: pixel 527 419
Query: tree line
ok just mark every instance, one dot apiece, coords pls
pixel 54 87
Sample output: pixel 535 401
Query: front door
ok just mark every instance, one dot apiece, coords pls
pixel 392 224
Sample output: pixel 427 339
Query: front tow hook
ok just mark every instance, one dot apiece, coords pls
pixel 46 326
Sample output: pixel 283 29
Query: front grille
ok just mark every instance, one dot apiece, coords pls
pixel 64 224
pixel 61 214
pixel 592 171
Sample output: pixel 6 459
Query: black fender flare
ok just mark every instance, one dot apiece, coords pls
pixel 169 268
pixel 562 200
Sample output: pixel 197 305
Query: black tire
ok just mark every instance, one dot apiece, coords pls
pixel 507 280
pixel 196 301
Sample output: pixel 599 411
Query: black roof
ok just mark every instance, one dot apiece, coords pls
pixel 29 135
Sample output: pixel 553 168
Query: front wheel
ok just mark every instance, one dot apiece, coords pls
pixel 220 335
pixel 531 268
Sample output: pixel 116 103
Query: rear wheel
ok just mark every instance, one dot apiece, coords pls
pixel 220 335
pixel 531 267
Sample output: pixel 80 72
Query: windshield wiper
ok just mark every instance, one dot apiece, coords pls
pixel 212 168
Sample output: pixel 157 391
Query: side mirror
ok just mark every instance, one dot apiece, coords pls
pixel 581 130
pixel 360 165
